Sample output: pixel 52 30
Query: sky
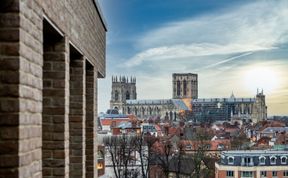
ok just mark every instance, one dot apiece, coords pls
pixel 234 46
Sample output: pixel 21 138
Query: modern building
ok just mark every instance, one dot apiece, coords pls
pixel 216 109
pixel 252 164
pixel 185 85
pixel 51 54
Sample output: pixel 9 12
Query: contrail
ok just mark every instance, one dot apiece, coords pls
pixel 226 60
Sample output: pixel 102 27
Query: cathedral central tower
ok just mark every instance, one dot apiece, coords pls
pixel 185 85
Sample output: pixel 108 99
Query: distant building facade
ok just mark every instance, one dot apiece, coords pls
pixel 252 164
pixel 185 85
pixel 122 89
pixel 185 97
pixel 165 108
pixel 124 98
pixel 254 109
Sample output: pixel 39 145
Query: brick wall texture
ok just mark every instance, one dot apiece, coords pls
pixel 47 96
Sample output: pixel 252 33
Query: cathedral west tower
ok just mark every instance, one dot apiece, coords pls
pixel 123 89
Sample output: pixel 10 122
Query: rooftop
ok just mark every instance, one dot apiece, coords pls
pixel 253 152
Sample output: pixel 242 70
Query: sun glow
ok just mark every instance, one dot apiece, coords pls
pixel 262 78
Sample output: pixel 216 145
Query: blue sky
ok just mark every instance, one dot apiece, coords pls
pixel 234 46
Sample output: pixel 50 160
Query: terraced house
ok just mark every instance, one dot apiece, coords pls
pixel 252 164
pixel 51 54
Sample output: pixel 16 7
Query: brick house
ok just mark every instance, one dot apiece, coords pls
pixel 51 54
pixel 252 164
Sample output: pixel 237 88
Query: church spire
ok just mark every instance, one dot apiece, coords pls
pixel 232 95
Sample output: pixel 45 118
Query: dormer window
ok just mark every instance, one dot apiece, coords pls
pixel 273 160
pixel 283 159
pixel 262 160
pixel 230 160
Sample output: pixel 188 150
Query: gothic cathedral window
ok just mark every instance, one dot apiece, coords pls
pixel 116 95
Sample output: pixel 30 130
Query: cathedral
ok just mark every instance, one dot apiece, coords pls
pixel 124 97
pixel 185 98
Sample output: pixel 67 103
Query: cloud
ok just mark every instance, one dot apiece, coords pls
pixel 227 60
pixel 257 26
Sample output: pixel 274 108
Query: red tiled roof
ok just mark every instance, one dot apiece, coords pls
pixel 109 121
pixel 213 144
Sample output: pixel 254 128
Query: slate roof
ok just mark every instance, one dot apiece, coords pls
pixel 229 100
pixel 254 155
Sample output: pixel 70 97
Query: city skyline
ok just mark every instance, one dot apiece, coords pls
pixel 230 45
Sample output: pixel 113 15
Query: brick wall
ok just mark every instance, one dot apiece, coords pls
pixel 91 129
pixel 9 88
pixel 34 85
pixel 55 111
pixel 77 118
pixel 81 24
pixel 21 90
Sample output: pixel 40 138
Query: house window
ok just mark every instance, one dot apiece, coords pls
pixel 274 173
pixel 273 160
pixel 230 174
pixel 247 174
pixel 263 174
pixel 262 160
pixel 207 146
pixel 283 160
pixel 285 173
pixel 247 160
pixel 230 160
pixel 100 166
pixel 220 147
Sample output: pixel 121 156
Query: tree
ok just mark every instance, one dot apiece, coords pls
pixel 144 146
pixel 165 156
pixel 121 149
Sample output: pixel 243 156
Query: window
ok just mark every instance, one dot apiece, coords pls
pixel 248 161
pixel 230 174
pixel 263 174
pixel 262 160
pixel 184 87
pixel 127 95
pixel 207 146
pixel 116 95
pixel 273 160
pixel 285 173
pixel 100 166
pixel 247 174
pixel 274 173
pixel 230 160
pixel 178 88
pixel 283 160
pixel 220 147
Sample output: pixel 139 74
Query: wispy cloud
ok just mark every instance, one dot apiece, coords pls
pixel 257 26
pixel 226 60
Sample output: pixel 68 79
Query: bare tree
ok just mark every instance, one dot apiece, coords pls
pixel 163 155
pixel 121 149
pixel 144 144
